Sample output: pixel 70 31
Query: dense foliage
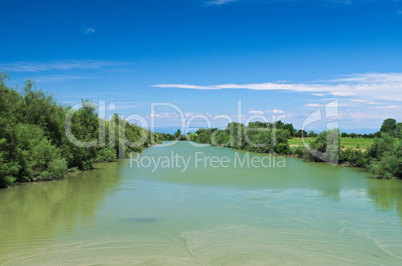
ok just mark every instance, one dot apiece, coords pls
pixel 386 157
pixel 34 145
pixel 383 158
pixel 171 137
pixel 256 137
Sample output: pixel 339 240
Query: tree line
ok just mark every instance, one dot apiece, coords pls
pixel 34 145
pixel 383 158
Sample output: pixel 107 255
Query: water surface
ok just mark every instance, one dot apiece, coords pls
pixel 305 213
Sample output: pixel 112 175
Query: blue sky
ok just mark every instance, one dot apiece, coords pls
pixel 281 59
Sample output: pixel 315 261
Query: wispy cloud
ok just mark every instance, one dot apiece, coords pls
pixel 219 2
pixel 369 78
pixel 256 112
pixel 274 111
pixel 128 105
pixel 47 79
pixel 23 66
pixel 369 87
pixel 362 101
pixel 89 30
pixel 315 105
pixel 277 111
pixel 389 107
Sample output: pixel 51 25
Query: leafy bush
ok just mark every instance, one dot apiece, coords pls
pixel 327 144
pixel 386 157
pixel 38 158
pixel 283 148
pixel 353 157
pixel 299 151
pixel 107 154
pixel 34 144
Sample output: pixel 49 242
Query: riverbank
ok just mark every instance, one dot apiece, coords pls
pixel 74 170
pixel 293 155
pixel 41 139
pixel 381 158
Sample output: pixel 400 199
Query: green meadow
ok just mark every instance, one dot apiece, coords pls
pixel 354 143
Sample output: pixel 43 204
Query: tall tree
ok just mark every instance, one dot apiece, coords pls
pixel 389 126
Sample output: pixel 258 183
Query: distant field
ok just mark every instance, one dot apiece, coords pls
pixel 345 142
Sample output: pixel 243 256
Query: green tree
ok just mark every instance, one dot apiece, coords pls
pixel 385 156
pixel 326 147
pixel 311 134
pixel 399 130
pixel 389 126
pixel 34 144
pixel 302 134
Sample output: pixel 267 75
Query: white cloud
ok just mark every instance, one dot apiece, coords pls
pixel 89 30
pixel 256 112
pixel 274 111
pixel 277 111
pixel 24 66
pixel 316 105
pixel 368 78
pixel 362 101
pixel 370 86
pixel 389 107
pixel 127 105
pixel 49 79
pixel 164 115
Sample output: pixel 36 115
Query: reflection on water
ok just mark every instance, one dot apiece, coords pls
pixel 34 213
pixel 306 213
pixel 386 195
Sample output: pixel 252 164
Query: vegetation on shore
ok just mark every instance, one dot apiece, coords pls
pixel 358 143
pixel 380 153
pixel 33 142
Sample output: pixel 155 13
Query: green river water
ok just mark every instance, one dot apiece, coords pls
pixel 304 213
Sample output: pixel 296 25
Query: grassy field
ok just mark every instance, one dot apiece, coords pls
pixel 345 142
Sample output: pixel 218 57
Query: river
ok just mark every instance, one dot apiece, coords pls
pixel 127 213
